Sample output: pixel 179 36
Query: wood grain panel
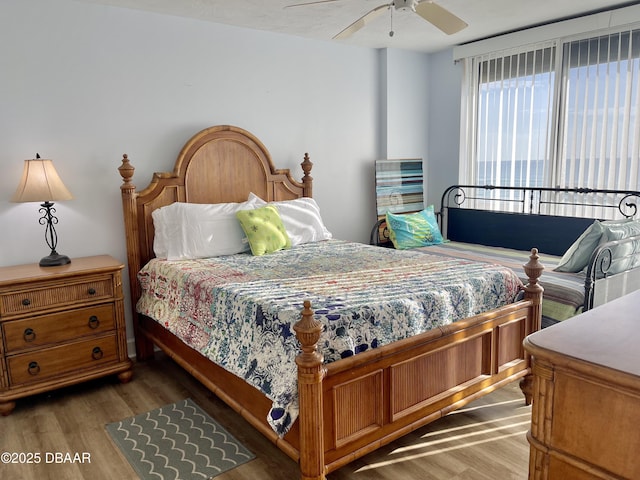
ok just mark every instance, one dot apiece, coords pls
pixel 577 429
pixel 213 166
pixel 49 329
pixel 563 469
pixel 358 407
pixel 49 295
pixel 510 347
pixel 446 369
pixel 61 360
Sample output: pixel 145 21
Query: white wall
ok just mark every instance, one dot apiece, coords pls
pixel 407 89
pixel 84 83
pixel 420 114
pixel 445 83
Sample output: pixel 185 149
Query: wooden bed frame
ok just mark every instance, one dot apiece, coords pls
pixel 353 406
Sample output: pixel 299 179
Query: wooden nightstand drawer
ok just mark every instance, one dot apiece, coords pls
pixel 58 361
pixel 58 327
pixel 46 296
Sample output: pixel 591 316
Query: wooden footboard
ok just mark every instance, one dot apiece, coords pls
pixel 353 406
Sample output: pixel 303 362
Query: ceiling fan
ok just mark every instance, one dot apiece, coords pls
pixel 433 13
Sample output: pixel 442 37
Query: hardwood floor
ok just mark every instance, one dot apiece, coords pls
pixel 483 441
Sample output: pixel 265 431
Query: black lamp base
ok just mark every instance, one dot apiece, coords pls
pixel 54 260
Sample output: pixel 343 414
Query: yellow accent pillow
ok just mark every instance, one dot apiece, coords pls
pixel 264 229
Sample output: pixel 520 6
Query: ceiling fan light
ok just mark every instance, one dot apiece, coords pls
pixel 405 4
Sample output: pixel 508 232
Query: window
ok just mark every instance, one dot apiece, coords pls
pixel 600 121
pixel 559 113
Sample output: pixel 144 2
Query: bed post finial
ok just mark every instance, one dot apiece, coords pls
pixel 307 179
pixel 310 375
pixel 308 331
pixel 532 291
pixel 126 172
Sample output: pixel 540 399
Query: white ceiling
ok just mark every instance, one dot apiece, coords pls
pixel 324 20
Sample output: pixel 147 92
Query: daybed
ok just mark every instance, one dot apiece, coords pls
pixel 347 407
pixel 598 255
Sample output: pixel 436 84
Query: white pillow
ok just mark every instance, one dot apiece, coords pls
pixel 160 241
pixel 578 254
pixel 185 231
pixel 301 218
pixel 577 257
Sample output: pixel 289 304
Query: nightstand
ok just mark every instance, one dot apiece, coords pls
pixel 60 326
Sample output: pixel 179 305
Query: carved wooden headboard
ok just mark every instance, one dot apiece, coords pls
pixel 219 164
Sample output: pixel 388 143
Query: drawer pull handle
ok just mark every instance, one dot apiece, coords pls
pixel 97 353
pixel 26 302
pixel 94 322
pixel 29 335
pixel 34 368
pixel 92 291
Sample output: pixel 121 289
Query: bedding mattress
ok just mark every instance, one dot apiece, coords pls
pixel 563 292
pixel 239 310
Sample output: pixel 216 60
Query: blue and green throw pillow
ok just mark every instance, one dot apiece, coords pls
pixel 414 229
pixel 264 229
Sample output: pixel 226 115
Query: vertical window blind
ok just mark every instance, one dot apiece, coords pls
pixel 562 113
pixel 601 123
pixel 515 94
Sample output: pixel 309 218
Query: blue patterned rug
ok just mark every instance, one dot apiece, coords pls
pixel 178 441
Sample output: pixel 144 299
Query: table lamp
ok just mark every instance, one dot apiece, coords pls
pixel 40 183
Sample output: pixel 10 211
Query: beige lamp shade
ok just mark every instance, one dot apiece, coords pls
pixel 40 182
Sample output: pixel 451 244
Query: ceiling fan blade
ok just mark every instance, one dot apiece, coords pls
pixel 310 3
pixel 440 17
pixel 362 21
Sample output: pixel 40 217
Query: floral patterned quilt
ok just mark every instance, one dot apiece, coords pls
pixel 239 310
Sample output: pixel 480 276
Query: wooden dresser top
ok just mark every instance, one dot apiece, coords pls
pixel 32 272
pixel 607 336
